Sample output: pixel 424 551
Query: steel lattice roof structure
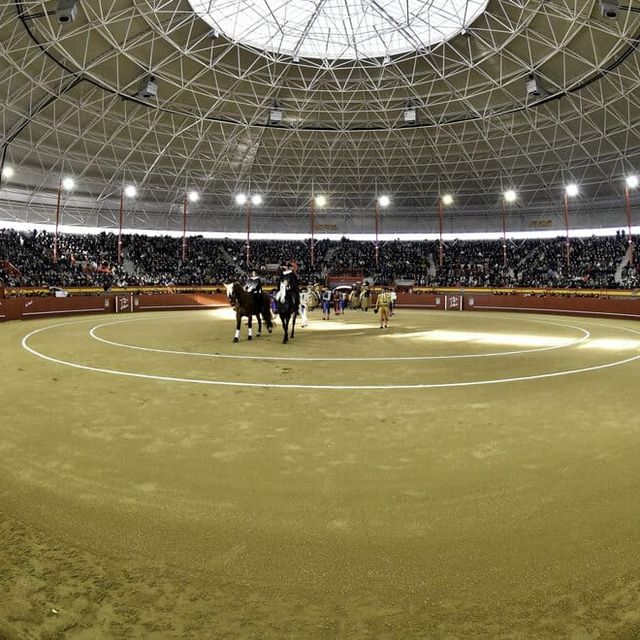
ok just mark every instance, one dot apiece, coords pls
pixel 71 104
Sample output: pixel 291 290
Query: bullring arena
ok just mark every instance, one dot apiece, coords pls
pixel 468 472
pixel 459 475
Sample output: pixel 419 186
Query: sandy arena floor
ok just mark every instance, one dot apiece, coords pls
pixel 459 475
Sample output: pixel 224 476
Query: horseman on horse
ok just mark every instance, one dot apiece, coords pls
pixel 288 298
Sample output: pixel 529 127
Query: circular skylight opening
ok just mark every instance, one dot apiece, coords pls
pixel 338 29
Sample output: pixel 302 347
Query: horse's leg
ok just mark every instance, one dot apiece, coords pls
pixel 259 325
pixel 249 320
pixel 238 322
pixel 285 328
pixel 293 324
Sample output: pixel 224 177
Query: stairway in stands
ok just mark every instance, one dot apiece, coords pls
pixel 226 256
pixel 623 263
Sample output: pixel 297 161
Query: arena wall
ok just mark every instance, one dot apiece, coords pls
pixel 25 307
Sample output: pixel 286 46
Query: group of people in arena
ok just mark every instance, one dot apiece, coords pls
pixel 27 260
pixel 359 298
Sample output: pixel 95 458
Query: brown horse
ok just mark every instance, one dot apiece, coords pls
pixel 249 305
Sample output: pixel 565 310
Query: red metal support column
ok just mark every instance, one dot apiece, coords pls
pixel 441 220
pixel 377 232
pixel 55 237
pixel 248 247
pixel 629 236
pixel 504 234
pixel 121 218
pixel 312 221
pixel 184 229
pixel 566 226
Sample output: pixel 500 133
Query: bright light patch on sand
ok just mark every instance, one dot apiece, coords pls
pixel 478 337
pixel 612 344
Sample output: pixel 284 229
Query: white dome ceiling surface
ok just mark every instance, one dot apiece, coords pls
pixel 71 102
pixel 339 29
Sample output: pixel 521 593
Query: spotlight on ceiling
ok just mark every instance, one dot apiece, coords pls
pixel 535 88
pixel 320 201
pixel 447 199
pixel 130 191
pixel 148 88
pixel 609 8
pixel 66 11
pixel 7 172
pixel 632 182
pixel 68 184
pixel 256 199
pixel 193 196
pixel 572 190
pixel 410 114
pixel 384 201
pixel 214 34
pixel 275 115
pixel 241 198
pixel 510 195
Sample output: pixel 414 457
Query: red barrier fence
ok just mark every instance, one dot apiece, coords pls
pixel 611 307
pixel 26 308
pixel 42 307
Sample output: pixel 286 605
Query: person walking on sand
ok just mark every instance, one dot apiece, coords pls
pixel 382 306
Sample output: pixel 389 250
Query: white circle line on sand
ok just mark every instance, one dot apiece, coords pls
pixel 569 343
pixel 267 385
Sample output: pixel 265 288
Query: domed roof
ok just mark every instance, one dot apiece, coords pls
pixel 525 95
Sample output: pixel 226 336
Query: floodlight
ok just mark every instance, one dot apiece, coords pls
pixel 609 8
pixel 66 11
pixel 632 182
pixel 534 85
pixel 7 172
pixel 68 184
pixel 510 195
pixel 320 201
pixel 193 196
pixel 572 190
pixel 130 191
pixel 256 199
pixel 148 88
pixel 410 115
pixel 275 115
pixel 384 201
pixel 241 198
pixel 447 199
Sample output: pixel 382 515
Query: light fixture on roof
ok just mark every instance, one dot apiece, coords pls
pixel 384 201
pixel 66 11
pixel 535 87
pixel 276 114
pixel 609 8
pixel 320 201
pixel 193 196
pixel 510 195
pixel 7 172
pixel 241 198
pixel 632 182
pixel 130 191
pixel 68 184
pixel 572 190
pixel 148 88
pixel 256 199
pixel 410 114
pixel 447 199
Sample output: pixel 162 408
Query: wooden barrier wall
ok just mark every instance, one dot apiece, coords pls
pixel 22 308
pixel 42 307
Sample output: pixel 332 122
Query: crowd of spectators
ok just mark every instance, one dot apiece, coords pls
pixel 27 259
